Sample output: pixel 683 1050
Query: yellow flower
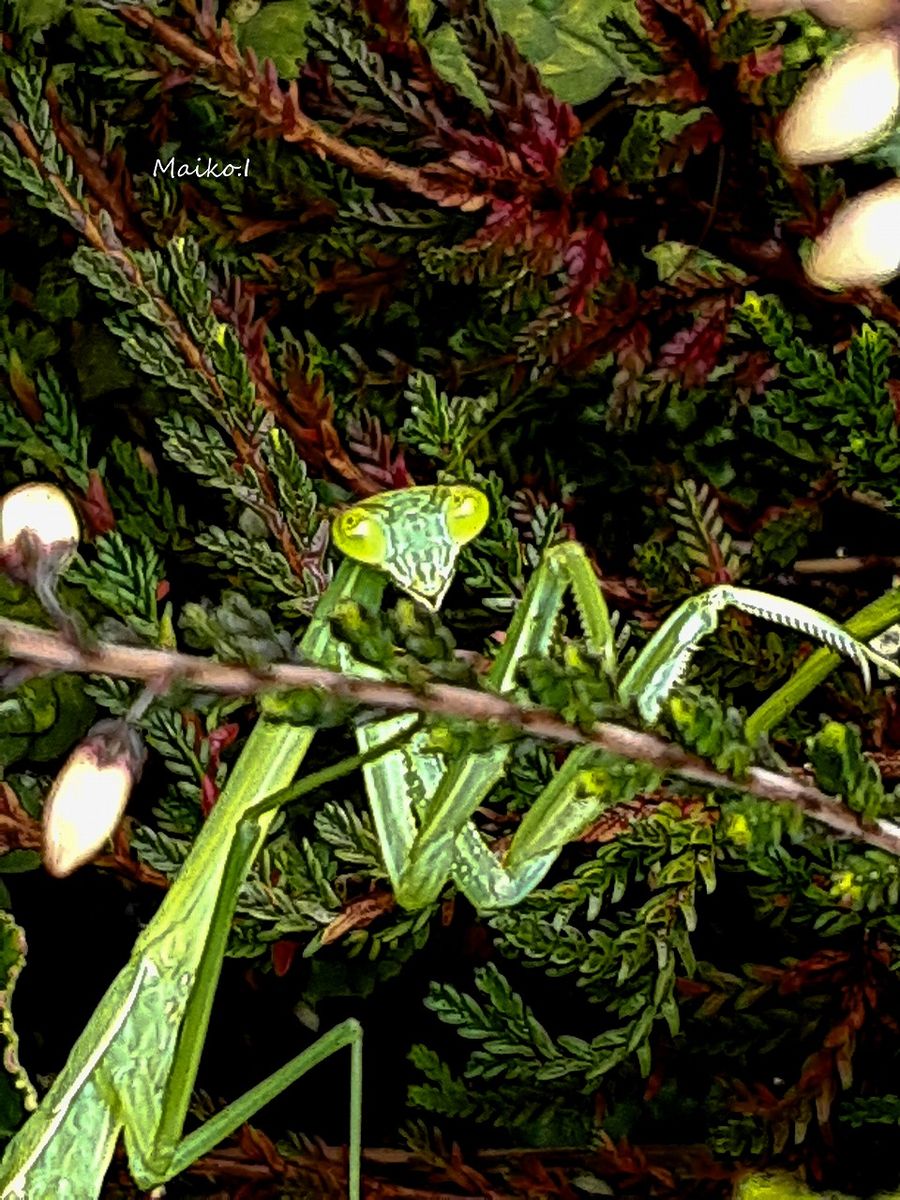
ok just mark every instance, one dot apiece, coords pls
pixel 738 829
pixel 843 885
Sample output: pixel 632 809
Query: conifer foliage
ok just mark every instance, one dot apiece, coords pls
pixel 266 257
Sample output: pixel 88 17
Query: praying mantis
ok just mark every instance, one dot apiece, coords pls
pixel 133 1068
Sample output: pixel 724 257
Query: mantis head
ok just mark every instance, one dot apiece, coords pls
pixel 413 535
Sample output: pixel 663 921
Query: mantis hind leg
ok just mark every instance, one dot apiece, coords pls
pixel 159 1152
pixel 200 1141
pixel 168 1153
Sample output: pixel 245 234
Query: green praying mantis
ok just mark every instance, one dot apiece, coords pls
pixel 133 1068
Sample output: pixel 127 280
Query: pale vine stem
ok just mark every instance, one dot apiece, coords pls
pixel 849 565
pixel 51 651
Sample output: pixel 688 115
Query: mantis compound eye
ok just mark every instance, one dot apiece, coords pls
pixel 359 535
pixel 467 513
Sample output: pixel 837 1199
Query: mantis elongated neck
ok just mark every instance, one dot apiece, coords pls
pixel 271 756
pixel 353 581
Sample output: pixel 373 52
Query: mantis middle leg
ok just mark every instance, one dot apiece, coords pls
pixel 165 1153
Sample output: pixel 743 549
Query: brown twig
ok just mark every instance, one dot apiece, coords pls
pixel 851 565
pixel 92 171
pixel 18 829
pixel 777 264
pixel 359 914
pixel 237 310
pixel 104 195
pixel 52 652
pixel 691 1162
pixel 260 92
pixel 107 242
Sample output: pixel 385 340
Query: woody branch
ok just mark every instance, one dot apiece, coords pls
pixel 50 651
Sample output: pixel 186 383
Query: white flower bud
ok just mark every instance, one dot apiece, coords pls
pixel 845 106
pixel 861 246
pixel 854 14
pixel 88 797
pixel 41 511
pixel 763 9
pixel 839 14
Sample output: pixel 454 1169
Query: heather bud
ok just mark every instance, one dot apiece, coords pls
pixel 840 14
pixel 854 14
pixel 43 513
pixel 89 796
pixel 846 106
pixel 861 246
pixel 764 9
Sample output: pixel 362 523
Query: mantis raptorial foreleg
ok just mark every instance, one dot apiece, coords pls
pixel 426 824
pixel 423 809
pixel 868 623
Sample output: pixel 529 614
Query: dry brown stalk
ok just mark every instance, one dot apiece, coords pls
pixel 51 651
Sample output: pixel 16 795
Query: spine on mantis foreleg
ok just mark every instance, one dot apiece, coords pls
pixel 663 663
pixel 872 620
